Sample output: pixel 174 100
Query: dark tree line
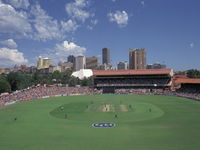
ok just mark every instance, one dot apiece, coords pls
pixel 193 73
pixel 17 81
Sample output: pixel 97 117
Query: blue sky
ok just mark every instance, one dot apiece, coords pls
pixel 168 29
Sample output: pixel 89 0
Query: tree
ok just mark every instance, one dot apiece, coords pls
pixel 86 82
pixel 73 81
pixel 19 81
pixel 4 86
pixel 13 79
pixel 66 76
pixel 193 73
pixel 56 75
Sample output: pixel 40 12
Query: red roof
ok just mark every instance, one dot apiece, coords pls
pixel 187 80
pixel 180 76
pixel 132 72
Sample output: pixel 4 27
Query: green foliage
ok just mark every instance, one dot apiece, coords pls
pixel 193 73
pixel 66 76
pixel 86 82
pixel 73 81
pixel 181 73
pixel 19 81
pixel 14 80
pixel 4 85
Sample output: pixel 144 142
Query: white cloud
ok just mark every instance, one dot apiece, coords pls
pixel 94 22
pixel 9 43
pixel 45 26
pixel 89 27
pixel 69 26
pixel 76 10
pixel 10 57
pixel 142 3
pixel 34 23
pixel 19 3
pixel 64 49
pixel 191 45
pixel 13 22
pixel 69 48
pixel 120 17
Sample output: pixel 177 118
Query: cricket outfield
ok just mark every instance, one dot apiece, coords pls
pixel 141 122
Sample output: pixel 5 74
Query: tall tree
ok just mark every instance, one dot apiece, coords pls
pixel 4 85
pixel 193 73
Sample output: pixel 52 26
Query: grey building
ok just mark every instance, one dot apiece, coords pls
pixel 80 63
pixel 71 59
pixel 105 67
pixel 66 65
pixel 122 66
pixel 92 62
pixel 106 56
pixel 137 58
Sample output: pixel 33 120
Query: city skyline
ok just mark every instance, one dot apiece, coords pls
pixel 168 30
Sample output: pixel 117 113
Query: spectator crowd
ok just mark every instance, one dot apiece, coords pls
pixel 43 91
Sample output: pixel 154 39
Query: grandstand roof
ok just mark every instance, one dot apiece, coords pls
pixel 133 72
pixel 180 76
pixel 187 81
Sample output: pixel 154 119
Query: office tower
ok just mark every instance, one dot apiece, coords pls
pixel 46 62
pixel 137 58
pixel 80 63
pixel 106 56
pixel 122 66
pixel 71 59
pixel 92 63
pixel 43 63
pixel 66 65
pixel 40 62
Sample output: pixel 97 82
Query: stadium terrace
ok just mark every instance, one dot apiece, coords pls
pixel 110 80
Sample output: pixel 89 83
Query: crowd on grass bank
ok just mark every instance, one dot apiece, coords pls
pixel 187 93
pixel 43 91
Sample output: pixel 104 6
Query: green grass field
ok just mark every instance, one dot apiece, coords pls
pixel 144 122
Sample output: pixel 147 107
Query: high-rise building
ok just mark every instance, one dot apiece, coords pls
pixel 80 63
pixel 92 62
pixel 46 62
pixel 40 62
pixel 122 66
pixel 55 68
pixel 71 59
pixel 137 58
pixel 106 56
pixel 43 63
pixel 66 65
pixel 104 67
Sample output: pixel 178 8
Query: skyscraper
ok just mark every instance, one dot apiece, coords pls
pixel 43 63
pixel 137 58
pixel 106 56
pixel 122 66
pixel 71 59
pixel 92 62
pixel 80 63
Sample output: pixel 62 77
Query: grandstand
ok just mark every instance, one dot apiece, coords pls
pixel 109 80
pixel 188 85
